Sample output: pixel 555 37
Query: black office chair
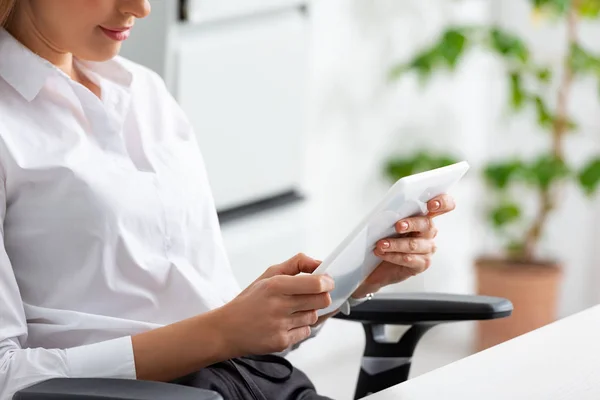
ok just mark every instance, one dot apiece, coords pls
pixel 384 363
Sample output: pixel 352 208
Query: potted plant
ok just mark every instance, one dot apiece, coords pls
pixel 521 273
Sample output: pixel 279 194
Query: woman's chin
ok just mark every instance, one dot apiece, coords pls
pixel 109 53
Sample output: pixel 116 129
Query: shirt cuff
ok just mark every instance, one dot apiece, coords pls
pixel 352 302
pixel 109 359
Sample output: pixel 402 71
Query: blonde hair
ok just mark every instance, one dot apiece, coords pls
pixel 6 8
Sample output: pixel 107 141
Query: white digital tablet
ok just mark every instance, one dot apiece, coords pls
pixel 354 260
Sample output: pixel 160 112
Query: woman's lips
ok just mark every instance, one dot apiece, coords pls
pixel 117 34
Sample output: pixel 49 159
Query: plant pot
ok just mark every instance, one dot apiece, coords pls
pixel 533 288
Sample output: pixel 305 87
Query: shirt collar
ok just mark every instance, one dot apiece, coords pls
pixel 24 70
pixel 27 72
pixel 114 70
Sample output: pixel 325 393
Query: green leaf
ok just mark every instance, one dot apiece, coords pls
pixel 443 161
pixel 504 214
pixel 425 160
pixel 544 117
pixel 589 177
pixel 559 7
pixel 546 170
pixel 508 45
pixel 578 58
pixel 582 61
pixel 516 89
pixel 544 75
pixel 399 167
pixel 423 64
pixel 452 46
pixel 499 175
pixel 446 52
pixel 572 125
pixel 588 8
pixel 397 71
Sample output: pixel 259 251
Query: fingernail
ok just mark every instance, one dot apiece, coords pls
pixel 435 205
pixel 403 226
pixel 385 244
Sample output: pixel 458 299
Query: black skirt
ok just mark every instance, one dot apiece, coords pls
pixel 266 377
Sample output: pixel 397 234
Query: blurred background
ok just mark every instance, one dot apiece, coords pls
pixel 307 111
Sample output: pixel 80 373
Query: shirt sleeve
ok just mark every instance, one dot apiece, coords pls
pixel 22 367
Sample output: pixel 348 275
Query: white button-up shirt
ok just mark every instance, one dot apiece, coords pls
pixel 109 225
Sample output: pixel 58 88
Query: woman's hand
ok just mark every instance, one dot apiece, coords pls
pixel 277 310
pixel 272 314
pixel 410 254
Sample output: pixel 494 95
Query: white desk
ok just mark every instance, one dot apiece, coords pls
pixel 558 362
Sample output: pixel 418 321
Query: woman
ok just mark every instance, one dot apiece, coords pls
pixel 112 262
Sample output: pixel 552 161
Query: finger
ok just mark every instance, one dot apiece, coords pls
pixel 385 274
pixel 408 245
pixel 421 224
pixel 308 302
pixel 327 316
pixel 441 205
pixel 430 234
pixel 414 263
pixel 302 284
pixel 303 318
pixel 297 335
pixel 295 265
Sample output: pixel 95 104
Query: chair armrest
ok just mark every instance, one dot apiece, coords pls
pixel 112 389
pixel 411 308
